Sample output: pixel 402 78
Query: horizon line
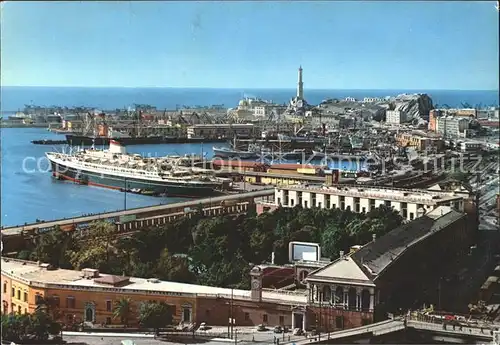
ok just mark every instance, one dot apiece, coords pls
pixel 237 88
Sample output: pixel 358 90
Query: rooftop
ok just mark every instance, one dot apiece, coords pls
pixel 37 275
pixel 376 256
pixel 421 196
pixel 365 265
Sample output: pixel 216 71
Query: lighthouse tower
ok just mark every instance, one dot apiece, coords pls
pixel 300 86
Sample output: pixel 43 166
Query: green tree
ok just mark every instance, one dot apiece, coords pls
pixel 14 326
pixel 122 310
pixel 39 326
pixel 155 315
pixel 52 247
pixel 97 248
pixel 174 268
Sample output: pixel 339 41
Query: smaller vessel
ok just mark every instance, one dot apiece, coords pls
pixel 225 152
pixel 294 154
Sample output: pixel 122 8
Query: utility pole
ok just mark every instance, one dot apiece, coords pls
pixel 232 320
pixel 320 310
pixel 439 293
pixel 125 195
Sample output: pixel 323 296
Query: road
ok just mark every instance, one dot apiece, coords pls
pixel 247 337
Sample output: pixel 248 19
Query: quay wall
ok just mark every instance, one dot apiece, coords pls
pixel 14 238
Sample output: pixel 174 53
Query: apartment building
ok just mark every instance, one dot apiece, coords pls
pixel 452 127
pixel 395 117
pixel 418 142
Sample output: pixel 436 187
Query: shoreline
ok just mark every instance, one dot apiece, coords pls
pixel 20 125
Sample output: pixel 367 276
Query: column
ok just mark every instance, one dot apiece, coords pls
pixel 293 320
pixel 372 300
pixel 333 287
pixel 358 298
pixel 310 290
pixel 346 299
pixel 304 321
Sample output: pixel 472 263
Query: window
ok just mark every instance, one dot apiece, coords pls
pixel 19 309
pixel 412 216
pixel 56 300
pixel 292 202
pixel 25 310
pixel 70 302
pixel 108 306
pixel 4 287
pixel 25 297
pixel 282 320
pixel 247 316
pixel 264 318
pixel 38 299
pixel 19 294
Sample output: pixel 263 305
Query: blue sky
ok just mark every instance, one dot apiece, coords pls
pixel 341 45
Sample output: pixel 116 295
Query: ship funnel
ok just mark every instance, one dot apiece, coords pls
pixel 116 147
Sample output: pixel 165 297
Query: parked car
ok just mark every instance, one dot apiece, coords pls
pixel 203 327
pixel 298 331
pixel 278 329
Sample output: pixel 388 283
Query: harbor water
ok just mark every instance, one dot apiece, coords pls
pixel 29 192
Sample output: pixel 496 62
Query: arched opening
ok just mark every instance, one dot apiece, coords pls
pixel 365 300
pixel 89 314
pixel 339 295
pixel 352 298
pixel 327 293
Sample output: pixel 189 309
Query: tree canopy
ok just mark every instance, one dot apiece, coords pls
pixel 216 251
pixel 38 326
pixel 155 315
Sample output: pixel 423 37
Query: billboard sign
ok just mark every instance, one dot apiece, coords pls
pixel 127 218
pixel 304 251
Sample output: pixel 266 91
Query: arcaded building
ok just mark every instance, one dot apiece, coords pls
pixel 411 203
pixel 399 270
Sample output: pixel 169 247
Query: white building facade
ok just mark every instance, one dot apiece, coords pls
pixel 452 127
pixel 409 203
pixel 395 117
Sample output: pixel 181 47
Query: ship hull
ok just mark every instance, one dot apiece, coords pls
pixel 338 156
pixel 82 140
pixel 233 154
pixel 119 183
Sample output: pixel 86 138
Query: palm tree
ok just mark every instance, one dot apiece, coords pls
pixel 122 310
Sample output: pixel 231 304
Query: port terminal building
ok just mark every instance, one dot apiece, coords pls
pixel 410 203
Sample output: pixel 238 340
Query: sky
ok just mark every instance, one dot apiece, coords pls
pixel 232 44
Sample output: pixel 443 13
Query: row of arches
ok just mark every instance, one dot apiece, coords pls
pixel 348 297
